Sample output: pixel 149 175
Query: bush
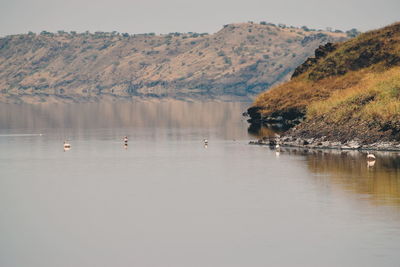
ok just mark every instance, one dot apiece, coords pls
pixel 353 33
pixel 45 33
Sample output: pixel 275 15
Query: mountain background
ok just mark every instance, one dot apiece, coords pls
pixel 236 63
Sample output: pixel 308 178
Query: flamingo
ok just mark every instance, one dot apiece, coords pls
pixel 370 156
pixel 67 146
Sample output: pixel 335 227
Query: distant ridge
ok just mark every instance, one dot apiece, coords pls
pixel 236 63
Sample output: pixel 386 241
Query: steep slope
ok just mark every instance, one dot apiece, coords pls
pixel 239 61
pixel 348 91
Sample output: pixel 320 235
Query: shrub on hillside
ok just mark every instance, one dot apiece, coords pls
pixel 353 33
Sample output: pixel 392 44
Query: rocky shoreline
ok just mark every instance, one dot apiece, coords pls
pixel 324 143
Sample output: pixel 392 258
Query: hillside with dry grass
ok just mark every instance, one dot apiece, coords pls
pixel 349 90
pixel 237 62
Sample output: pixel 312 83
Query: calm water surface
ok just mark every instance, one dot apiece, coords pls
pixel 167 200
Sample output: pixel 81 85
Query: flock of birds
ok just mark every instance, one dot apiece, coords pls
pixel 67 146
pixel 370 157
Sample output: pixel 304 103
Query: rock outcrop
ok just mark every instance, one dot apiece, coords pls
pixel 348 92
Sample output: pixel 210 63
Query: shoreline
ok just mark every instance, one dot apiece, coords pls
pixel 323 143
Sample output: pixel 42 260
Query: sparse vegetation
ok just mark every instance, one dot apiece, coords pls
pixel 352 85
pixel 227 60
pixel 221 53
pixel 136 64
pixel 353 33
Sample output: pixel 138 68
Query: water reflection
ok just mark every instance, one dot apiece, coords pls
pixel 259 131
pixel 144 114
pixel 379 179
pixel 173 195
pixel 371 163
pixel 226 117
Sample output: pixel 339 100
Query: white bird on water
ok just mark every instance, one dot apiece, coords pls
pixel 205 143
pixel 370 156
pixel 278 145
pixel 67 146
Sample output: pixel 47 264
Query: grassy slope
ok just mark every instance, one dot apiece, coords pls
pixel 239 60
pixel 353 92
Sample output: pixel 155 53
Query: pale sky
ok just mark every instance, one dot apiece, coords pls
pixel 163 16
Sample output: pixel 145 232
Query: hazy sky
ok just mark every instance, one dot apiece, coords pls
pixel 163 16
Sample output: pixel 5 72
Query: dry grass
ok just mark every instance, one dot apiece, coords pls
pixel 359 81
pixel 299 93
pixel 375 98
pixel 379 47
pixel 240 60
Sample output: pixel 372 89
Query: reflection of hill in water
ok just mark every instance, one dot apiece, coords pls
pixel 165 114
pixel 261 131
pixel 350 170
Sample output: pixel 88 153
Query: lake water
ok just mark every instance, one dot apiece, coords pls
pixel 167 200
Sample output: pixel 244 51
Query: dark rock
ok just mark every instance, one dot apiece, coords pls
pixel 321 52
pixel 254 113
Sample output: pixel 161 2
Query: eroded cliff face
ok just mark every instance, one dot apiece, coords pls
pixel 236 63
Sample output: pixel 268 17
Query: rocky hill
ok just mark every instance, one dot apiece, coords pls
pixel 347 92
pixel 237 62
